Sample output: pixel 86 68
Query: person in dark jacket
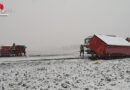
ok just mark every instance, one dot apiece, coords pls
pixel 14 49
pixel 81 50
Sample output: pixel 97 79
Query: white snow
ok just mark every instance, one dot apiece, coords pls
pixel 71 74
pixel 111 40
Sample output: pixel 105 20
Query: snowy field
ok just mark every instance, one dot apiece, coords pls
pixel 63 73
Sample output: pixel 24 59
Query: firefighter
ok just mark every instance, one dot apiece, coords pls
pixel 24 51
pixel 81 50
pixel 14 49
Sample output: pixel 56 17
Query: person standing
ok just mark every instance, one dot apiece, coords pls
pixel 14 49
pixel 81 50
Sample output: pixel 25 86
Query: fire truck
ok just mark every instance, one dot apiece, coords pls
pixel 106 46
pixel 7 51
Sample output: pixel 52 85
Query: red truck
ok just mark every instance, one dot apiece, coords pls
pixel 104 46
pixel 7 50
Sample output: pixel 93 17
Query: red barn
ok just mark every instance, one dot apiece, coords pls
pixel 108 46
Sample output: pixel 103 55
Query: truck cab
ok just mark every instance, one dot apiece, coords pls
pixel 87 43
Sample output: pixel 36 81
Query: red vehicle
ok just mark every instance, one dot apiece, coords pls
pixel 108 46
pixel 7 50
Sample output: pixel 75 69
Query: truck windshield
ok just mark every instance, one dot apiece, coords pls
pixel 88 40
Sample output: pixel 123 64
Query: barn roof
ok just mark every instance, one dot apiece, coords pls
pixel 113 40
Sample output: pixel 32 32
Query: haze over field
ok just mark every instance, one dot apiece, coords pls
pixel 45 25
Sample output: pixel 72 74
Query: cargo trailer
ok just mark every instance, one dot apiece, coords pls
pixel 108 46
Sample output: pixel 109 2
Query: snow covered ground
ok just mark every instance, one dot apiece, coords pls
pixel 63 73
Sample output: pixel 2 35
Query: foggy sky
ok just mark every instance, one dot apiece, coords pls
pixel 49 24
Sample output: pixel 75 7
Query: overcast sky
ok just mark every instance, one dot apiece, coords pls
pixel 47 24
